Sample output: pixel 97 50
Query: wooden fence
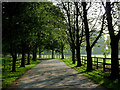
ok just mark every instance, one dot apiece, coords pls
pixel 99 63
pixel 7 64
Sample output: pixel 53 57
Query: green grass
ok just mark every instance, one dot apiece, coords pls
pixel 96 75
pixel 8 76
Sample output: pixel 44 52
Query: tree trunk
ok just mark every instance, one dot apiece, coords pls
pixel 89 59
pixel 88 48
pixel 34 55
pixel 114 59
pixel 78 56
pixel 28 58
pixel 39 53
pixel 62 51
pixel 77 36
pixel 52 54
pixel 114 43
pixel 14 56
pixel 23 56
pixel 73 55
pixel 62 55
pixel 14 62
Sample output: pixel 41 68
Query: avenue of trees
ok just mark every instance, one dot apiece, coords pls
pixel 29 28
pixel 103 18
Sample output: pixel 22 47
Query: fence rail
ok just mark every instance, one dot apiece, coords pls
pixel 99 63
pixel 7 63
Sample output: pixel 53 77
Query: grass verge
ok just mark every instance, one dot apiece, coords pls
pixel 95 75
pixel 8 76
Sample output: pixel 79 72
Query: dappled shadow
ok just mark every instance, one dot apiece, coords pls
pixel 44 59
pixel 54 74
pixel 52 82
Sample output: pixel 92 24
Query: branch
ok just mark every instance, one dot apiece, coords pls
pixel 89 6
pixel 69 22
pixel 95 21
pixel 103 5
pixel 82 35
pixel 80 14
pixel 100 32
pixel 67 33
pixel 114 3
pixel 64 7
pixel 115 23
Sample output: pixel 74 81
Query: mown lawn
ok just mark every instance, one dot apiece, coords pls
pixel 96 75
pixel 8 76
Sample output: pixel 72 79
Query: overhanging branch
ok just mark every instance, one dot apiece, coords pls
pixel 100 32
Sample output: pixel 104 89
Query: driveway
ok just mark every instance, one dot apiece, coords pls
pixel 53 73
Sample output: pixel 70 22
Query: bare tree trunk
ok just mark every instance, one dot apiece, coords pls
pixel 39 53
pixel 89 59
pixel 88 48
pixel 34 55
pixel 52 54
pixel 62 50
pixel 73 55
pixel 14 62
pixel 114 43
pixel 14 56
pixel 62 55
pixel 77 36
pixel 114 59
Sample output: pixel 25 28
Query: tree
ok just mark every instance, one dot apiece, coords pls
pixel 87 33
pixel 11 34
pixel 114 37
pixel 70 31
pixel 27 27
pixel 79 35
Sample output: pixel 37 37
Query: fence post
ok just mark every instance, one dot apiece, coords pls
pixel 97 63
pixel 103 64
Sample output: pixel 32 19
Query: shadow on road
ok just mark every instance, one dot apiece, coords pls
pixel 53 74
pixel 44 59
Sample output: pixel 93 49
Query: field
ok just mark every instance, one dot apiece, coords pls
pixel 70 56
